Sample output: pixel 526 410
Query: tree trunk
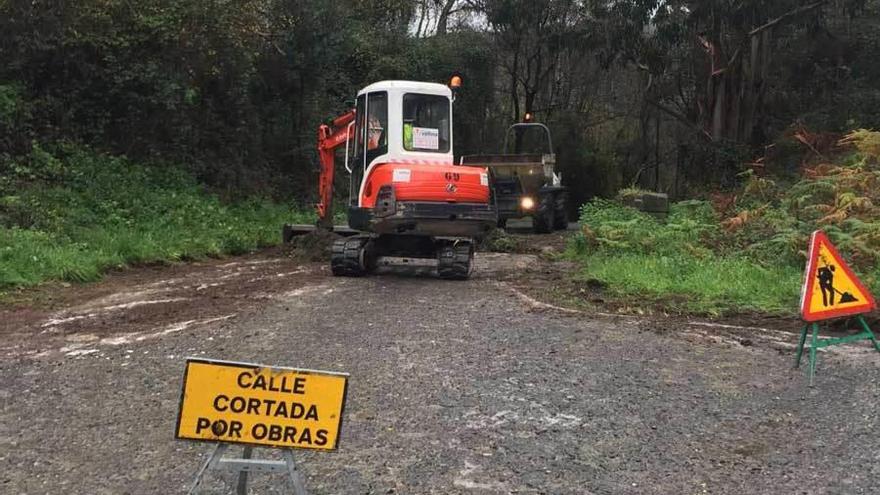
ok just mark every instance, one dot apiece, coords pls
pixel 514 87
pixel 736 91
pixel 531 94
pixel 753 84
pixel 424 10
pixel 529 108
pixel 443 20
pixel 719 83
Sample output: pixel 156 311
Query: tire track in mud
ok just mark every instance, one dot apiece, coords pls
pixel 149 303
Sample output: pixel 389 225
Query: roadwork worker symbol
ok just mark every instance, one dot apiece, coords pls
pixel 831 289
pixel 826 283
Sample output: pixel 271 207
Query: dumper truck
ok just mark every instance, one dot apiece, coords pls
pixel 525 184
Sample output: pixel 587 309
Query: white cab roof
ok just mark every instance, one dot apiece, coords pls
pixel 409 86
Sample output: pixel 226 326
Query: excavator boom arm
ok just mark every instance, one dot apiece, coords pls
pixel 330 137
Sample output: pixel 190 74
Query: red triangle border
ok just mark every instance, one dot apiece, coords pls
pixel 818 238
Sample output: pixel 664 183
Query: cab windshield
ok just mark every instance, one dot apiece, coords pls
pixel 426 123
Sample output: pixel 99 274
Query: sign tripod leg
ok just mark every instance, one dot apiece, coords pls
pixel 243 475
pixel 869 332
pixel 296 481
pixel 216 454
pixel 246 464
pixel 800 347
pixel 816 343
pixel 813 346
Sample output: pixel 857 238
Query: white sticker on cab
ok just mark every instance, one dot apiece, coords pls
pixel 425 138
pixel 484 179
pixel 401 175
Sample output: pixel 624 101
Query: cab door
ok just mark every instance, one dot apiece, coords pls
pixel 371 138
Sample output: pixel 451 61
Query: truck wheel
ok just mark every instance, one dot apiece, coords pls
pixel 502 223
pixel 542 219
pixel 560 216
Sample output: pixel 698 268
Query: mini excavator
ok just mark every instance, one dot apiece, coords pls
pixel 409 204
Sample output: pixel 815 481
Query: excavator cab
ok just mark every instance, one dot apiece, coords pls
pixel 409 203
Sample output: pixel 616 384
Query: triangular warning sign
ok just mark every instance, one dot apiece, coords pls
pixel 831 289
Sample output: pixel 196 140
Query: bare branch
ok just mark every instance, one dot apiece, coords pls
pixel 679 117
pixel 783 17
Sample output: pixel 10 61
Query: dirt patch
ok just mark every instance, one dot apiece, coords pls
pixel 499 241
pixel 520 240
pixel 313 246
pixel 558 285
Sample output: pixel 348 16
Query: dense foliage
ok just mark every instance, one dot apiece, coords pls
pixel 235 89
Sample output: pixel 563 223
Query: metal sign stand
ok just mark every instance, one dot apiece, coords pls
pixel 246 465
pixel 817 343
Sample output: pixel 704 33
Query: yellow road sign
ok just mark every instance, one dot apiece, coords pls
pixel 831 289
pixel 224 401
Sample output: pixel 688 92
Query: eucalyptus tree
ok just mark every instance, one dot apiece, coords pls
pixel 709 62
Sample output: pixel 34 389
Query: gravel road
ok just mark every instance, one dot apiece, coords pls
pixel 475 387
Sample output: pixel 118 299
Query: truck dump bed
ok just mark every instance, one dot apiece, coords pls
pixel 516 178
pixel 531 171
pixel 515 160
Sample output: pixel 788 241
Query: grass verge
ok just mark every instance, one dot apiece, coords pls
pixel 71 214
pixel 712 286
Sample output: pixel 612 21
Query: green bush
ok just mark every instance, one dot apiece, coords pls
pixel 622 229
pixel 70 214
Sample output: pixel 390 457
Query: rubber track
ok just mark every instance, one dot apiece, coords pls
pixel 345 259
pixel 456 266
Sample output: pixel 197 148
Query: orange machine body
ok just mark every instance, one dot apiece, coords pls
pixel 432 182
